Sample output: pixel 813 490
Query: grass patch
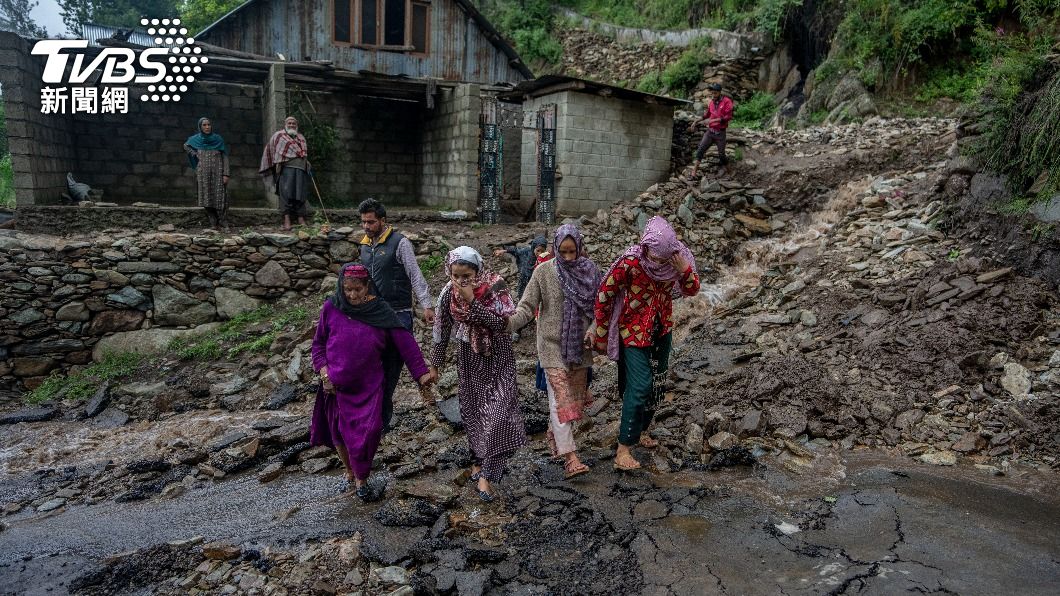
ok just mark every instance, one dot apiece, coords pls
pixel 209 349
pixel 1016 206
pixel 254 346
pixel 231 338
pixel 82 384
pixel 7 183
pixel 755 112
pixel 651 82
pixel 431 264
pixel 950 82
pixel 680 78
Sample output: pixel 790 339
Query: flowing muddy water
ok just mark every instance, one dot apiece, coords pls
pixel 846 523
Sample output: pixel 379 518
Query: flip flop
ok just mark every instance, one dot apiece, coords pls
pixel 650 444
pixel 621 468
pixel 582 469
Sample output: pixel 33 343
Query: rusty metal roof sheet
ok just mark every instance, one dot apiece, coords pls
pixel 557 83
pixel 488 29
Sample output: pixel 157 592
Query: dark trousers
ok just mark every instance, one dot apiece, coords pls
pixel 713 137
pixel 642 383
pixel 392 365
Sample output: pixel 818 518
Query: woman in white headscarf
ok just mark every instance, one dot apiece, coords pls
pixel 475 306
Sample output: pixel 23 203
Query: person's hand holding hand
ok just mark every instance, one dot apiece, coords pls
pixel 329 387
pixel 428 316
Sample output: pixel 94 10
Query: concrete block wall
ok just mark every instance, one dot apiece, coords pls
pixel 41 145
pixel 139 156
pixel 378 145
pixel 607 150
pixel 448 157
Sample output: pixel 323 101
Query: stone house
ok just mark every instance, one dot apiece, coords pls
pixel 399 100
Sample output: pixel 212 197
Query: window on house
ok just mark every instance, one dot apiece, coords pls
pixel 343 21
pixel 395 25
pixel 394 22
pixel 420 27
pixel 369 22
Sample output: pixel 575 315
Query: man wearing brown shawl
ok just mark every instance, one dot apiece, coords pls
pixel 285 166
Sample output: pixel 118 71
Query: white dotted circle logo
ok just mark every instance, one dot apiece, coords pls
pixel 168 32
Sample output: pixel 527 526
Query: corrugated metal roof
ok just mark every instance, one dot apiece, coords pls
pixel 490 31
pixel 548 84
pixel 93 32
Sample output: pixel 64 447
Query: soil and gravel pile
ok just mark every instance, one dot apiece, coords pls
pixel 599 58
pixel 834 316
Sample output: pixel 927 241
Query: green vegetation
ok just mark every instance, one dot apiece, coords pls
pixel 83 383
pixel 7 183
pixel 528 24
pixel 958 83
pixel 243 333
pixel 199 14
pixel 885 41
pixel 764 15
pixel 431 264
pixel 755 112
pixel 680 78
pixel 1016 206
pixel 1020 110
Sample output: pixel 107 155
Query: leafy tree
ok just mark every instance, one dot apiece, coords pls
pixel 115 13
pixel 14 16
pixel 199 14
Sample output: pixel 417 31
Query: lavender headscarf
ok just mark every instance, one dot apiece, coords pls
pixel 580 279
pixel 661 240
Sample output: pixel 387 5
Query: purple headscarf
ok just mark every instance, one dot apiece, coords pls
pixel 661 240
pixel 580 279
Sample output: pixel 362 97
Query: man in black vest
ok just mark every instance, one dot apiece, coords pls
pixel 391 261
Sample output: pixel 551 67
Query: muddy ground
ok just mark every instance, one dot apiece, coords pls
pixel 860 403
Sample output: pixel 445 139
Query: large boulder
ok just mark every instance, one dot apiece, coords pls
pixel 110 321
pixel 272 275
pixel 145 341
pixel 173 307
pixel 231 303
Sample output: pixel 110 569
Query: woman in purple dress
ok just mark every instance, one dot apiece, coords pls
pixel 355 327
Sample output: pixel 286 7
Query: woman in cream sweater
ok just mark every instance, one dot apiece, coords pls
pixel 563 293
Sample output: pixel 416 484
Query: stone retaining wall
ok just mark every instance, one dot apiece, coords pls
pixel 65 299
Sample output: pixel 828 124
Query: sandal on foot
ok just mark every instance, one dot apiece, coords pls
pixel 474 477
pixel 345 485
pixel 364 493
pixel 578 470
pixel 648 442
pixel 485 496
pixel 625 468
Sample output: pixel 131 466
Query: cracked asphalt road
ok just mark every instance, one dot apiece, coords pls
pixel 869 526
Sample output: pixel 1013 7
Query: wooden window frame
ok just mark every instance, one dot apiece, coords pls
pixel 380 24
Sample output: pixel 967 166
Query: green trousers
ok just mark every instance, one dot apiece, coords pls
pixel 641 381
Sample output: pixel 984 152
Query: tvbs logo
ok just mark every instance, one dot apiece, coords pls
pixel 118 64
pixel 167 70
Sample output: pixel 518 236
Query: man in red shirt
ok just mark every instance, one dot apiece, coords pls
pixel 717 117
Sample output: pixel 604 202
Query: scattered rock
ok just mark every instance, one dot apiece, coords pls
pixel 39 414
pixel 221 551
pixel 721 441
pixel 939 458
